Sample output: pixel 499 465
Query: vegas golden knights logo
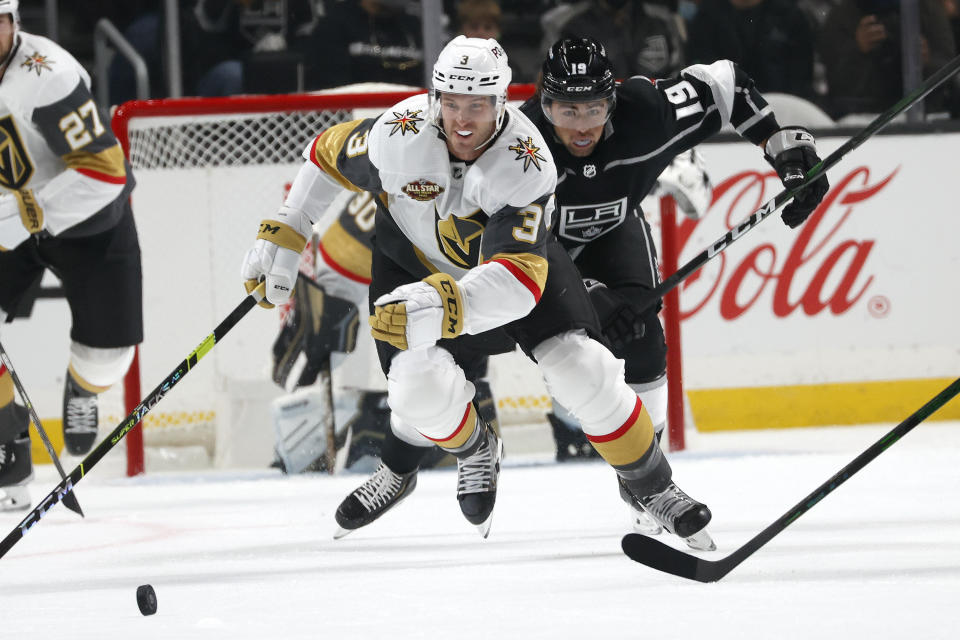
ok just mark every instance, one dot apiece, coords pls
pixel 15 166
pixel 459 238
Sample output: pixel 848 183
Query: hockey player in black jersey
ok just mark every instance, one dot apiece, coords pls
pixel 611 142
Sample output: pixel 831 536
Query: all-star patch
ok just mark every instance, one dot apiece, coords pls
pixel 422 190
pixel 406 121
pixel 37 62
pixel 528 152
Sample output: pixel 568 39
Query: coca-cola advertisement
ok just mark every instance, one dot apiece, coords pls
pixel 863 290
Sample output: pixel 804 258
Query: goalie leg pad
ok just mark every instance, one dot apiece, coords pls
pixel 588 381
pixel 96 369
pixel 428 390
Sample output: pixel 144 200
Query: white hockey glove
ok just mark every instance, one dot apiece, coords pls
pixel 418 314
pixel 792 151
pixel 275 256
pixel 687 181
pixel 20 216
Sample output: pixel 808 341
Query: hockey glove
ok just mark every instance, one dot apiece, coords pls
pixel 620 320
pixel 418 314
pixel 275 256
pixel 792 151
pixel 317 324
pixel 20 216
pixel 686 179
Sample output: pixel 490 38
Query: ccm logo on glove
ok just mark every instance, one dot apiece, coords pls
pixel 452 319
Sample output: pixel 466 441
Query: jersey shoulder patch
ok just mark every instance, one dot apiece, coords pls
pixel 519 163
pixel 48 69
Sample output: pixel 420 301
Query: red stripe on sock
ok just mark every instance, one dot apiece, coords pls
pixel 623 428
pixel 453 435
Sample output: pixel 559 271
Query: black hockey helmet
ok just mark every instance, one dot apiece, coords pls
pixel 577 70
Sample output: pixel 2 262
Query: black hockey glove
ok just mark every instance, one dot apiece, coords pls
pixel 620 320
pixel 792 151
pixel 317 325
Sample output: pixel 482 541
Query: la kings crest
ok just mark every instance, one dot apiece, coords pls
pixel 586 222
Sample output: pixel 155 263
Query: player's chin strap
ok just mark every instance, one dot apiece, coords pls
pixel 815 173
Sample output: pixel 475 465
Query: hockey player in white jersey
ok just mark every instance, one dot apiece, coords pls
pixel 64 190
pixel 463 261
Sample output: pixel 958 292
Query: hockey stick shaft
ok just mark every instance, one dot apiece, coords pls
pixel 70 501
pixel 815 173
pixel 664 558
pixel 65 487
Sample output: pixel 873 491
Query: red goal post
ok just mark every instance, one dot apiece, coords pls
pixel 207 170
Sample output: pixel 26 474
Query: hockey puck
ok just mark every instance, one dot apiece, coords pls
pixel 147 600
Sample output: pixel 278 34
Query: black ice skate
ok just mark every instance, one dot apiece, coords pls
pixel 16 470
pixel 642 521
pixel 80 417
pixel 679 514
pixel 383 490
pixel 477 476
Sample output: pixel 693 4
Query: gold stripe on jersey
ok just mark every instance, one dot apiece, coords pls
pixel 348 252
pixel 282 234
pixel 451 301
pixel 629 442
pixel 327 146
pixel 108 162
pixel 532 266
pixel 424 260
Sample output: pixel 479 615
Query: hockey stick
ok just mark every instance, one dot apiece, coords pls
pixel 815 173
pixel 65 487
pixel 70 501
pixel 659 556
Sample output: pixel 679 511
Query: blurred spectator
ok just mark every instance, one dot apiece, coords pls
pixel 952 9
pixel 216 39
pixel 861 42
pixel 641 38
pixel 211 49
pixel 479 19
pixel 365 41
pixel 772 40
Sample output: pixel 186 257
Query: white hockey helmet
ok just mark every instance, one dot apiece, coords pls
pixel 11 6
pixel 471 66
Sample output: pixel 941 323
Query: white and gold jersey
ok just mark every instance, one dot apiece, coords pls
pixel 58 157
pixel 484 221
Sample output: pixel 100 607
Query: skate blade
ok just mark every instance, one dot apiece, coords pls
pixel 644 523
pixel 701 541
pixel 484 527
pixel 342 533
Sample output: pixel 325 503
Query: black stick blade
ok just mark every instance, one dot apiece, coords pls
pixel 661 557
pixel 70 502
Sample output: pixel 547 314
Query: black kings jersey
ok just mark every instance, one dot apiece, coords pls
pixel 653 121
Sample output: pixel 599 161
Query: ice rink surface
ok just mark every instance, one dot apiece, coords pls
pixel 239 555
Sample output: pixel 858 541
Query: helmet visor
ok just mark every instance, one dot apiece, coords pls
pixel 583 114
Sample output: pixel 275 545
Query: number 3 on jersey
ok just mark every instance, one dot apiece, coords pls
pixel 527 232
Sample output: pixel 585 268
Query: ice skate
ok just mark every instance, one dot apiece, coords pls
pixel 382 491
pixel 642 521
pixel 80 418
pixel 679 514
pixel 477 477
pixel 16 470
